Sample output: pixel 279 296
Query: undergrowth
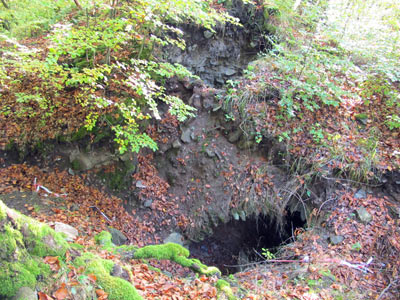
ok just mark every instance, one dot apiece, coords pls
pixel 312 93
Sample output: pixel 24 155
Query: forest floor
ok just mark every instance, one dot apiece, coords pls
pixel 362 265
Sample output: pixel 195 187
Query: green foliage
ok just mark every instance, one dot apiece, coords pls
pixel 356 247
pixel 314 76
pixel 107 59
pixel 26 18
pixel 393 122
pixel 267 254
pixel 317 133
pixel 380 88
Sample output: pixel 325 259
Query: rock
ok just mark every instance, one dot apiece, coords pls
pixel 210 152
pixel 218 154
pixel 71 172
pixel 185 137
pixel 336 239
pixel 118 271
pixel 361 194
pixel 227 71
pixel 68 230
pixel 148 203
pixel 164 147
pixel 25 293
pixel 363 215
pixel 188 84
pixel 193 136
pixel 176 144
pixel 85 161
pixel 50 242
pixel 208 103
pixel 126 157
pixel 208 34
pixel 195 101
pixel 140 185
pixel 117 237
pixel 242 215
pixel 234 136
pixel 176 238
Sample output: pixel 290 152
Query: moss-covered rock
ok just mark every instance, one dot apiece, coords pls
pixel 23 241
pixel 104 239
pixel 225 287
pixel 117 288
pixel 176 253
pixel 15 275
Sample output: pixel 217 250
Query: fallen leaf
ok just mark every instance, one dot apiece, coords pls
pixel 43 296
pixel 61 293
pixel 92 278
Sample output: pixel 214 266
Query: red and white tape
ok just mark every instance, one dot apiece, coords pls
pixel 37 187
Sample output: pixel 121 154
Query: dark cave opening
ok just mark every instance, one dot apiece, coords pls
pixel 237 244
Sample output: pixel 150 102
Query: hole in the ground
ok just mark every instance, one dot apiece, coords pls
pixel 237 243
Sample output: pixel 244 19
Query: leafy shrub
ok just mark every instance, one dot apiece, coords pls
pixel 100 68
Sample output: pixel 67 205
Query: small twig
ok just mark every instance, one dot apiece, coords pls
pixel 76 3
pixel 319 209
pixel 349 180
pixel 298 198
pixel 103 214
pixel 384 291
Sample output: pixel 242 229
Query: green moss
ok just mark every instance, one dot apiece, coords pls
pixel 15 275
pixel 76 246
pixel 76 165
pixel 225 287
pixel 21 242
pixel 119 178
pixel 9 240
pixel 170 251
pixel 117 288
pixel 176 253
pixel 38 238
pixel 104 239
pixel 41 240
pixel 127 248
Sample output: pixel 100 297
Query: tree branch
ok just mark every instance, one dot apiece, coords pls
pixel 76 2
pixel 5 4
